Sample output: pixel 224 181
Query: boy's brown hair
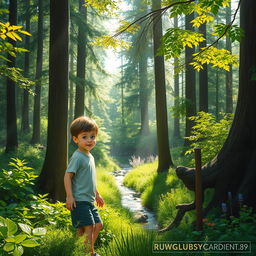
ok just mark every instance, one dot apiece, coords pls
pixel 83 124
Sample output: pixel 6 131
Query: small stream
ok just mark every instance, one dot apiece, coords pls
pixel 131 200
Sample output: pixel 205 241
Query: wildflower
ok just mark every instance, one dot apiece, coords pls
pixel 210 224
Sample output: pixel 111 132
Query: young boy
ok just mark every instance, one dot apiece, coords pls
pixel 80 182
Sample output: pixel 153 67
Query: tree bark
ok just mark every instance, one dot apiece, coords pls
pixel 81 62
pixel 229 79
pixel 164 156
pixel 203 77
pixel 190 84
pixel 11 117
pixel 39 66
pixel 55 163
pixel 25 105
pixel 233 169
pixel 143 80
pixel 176 131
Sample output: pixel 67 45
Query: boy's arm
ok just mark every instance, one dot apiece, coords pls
pixel 70 201
pixel 99 199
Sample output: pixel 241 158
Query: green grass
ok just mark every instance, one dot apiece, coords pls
pixel 160 192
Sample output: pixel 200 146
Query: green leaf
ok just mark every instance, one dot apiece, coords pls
pixel 3 232
pixel 18 251
pixel 39 231
pixel 25 228
pixel 30 243
pixel 8 247
pixel 12 227
pixel 20 238
pixel 10 239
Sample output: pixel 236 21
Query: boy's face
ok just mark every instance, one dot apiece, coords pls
pixel 85 141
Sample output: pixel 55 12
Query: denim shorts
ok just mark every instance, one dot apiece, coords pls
pixel 85 214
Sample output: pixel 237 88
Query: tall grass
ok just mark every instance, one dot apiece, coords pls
pixel 161 192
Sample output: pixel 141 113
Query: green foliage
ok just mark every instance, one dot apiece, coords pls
pixel 202 7
pixel 179 110
pixel 231 228
pixel 19 202
pixel 220 58
pixel 11 31
pixel 175 39
pixel 41 212
pixel 16 183
pixel 234 32
pixel 108 41
pixel 12 243
pixel 103 6
pixel 209 134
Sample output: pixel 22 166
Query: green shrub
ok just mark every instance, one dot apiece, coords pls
pixel 209 134
pixel 16 184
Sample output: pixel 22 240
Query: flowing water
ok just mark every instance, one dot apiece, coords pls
pixel 131 200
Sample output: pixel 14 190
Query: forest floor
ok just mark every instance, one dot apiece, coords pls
pixel 121 235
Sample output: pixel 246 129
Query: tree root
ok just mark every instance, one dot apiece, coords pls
pixel 182 209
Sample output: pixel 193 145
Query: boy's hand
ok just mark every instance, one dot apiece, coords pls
pixel 99 200
pixel 70 203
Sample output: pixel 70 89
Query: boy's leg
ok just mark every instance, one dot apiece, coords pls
pixel 97 228
pixel 80 231
pixel 88 231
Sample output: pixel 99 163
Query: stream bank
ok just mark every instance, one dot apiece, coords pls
pixel 131 200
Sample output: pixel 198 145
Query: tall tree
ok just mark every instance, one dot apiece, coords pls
pixel 203 77
pixel 144 91
pixel 190 83
pixel 229 80
pixel 11 119
pixel 25 105
pixel 55 163
pixel 176 128
pixel 39 66
pixel 81 61
pixel 164 156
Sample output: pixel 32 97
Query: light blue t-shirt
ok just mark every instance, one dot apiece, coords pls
pixel 84 180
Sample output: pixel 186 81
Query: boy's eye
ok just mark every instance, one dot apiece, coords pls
pixel 92 137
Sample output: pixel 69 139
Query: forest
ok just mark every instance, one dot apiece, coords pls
pixel 162 79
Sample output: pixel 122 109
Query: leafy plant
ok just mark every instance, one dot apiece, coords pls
pixel 16 183
pixel 209 134
pixel 12 243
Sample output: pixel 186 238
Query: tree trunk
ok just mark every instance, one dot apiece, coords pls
pixel 229 80
pixel 71 89
pixel 11 118
pixel 176 131
pixel 122 92
pixel 217 87
pixel 190 84
pixel 55 163
pixel 39 66
pixel 164 156
pixel 143 80
pixel 25 105
pixel 203 77
pixel 81 61
pixel 233 169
